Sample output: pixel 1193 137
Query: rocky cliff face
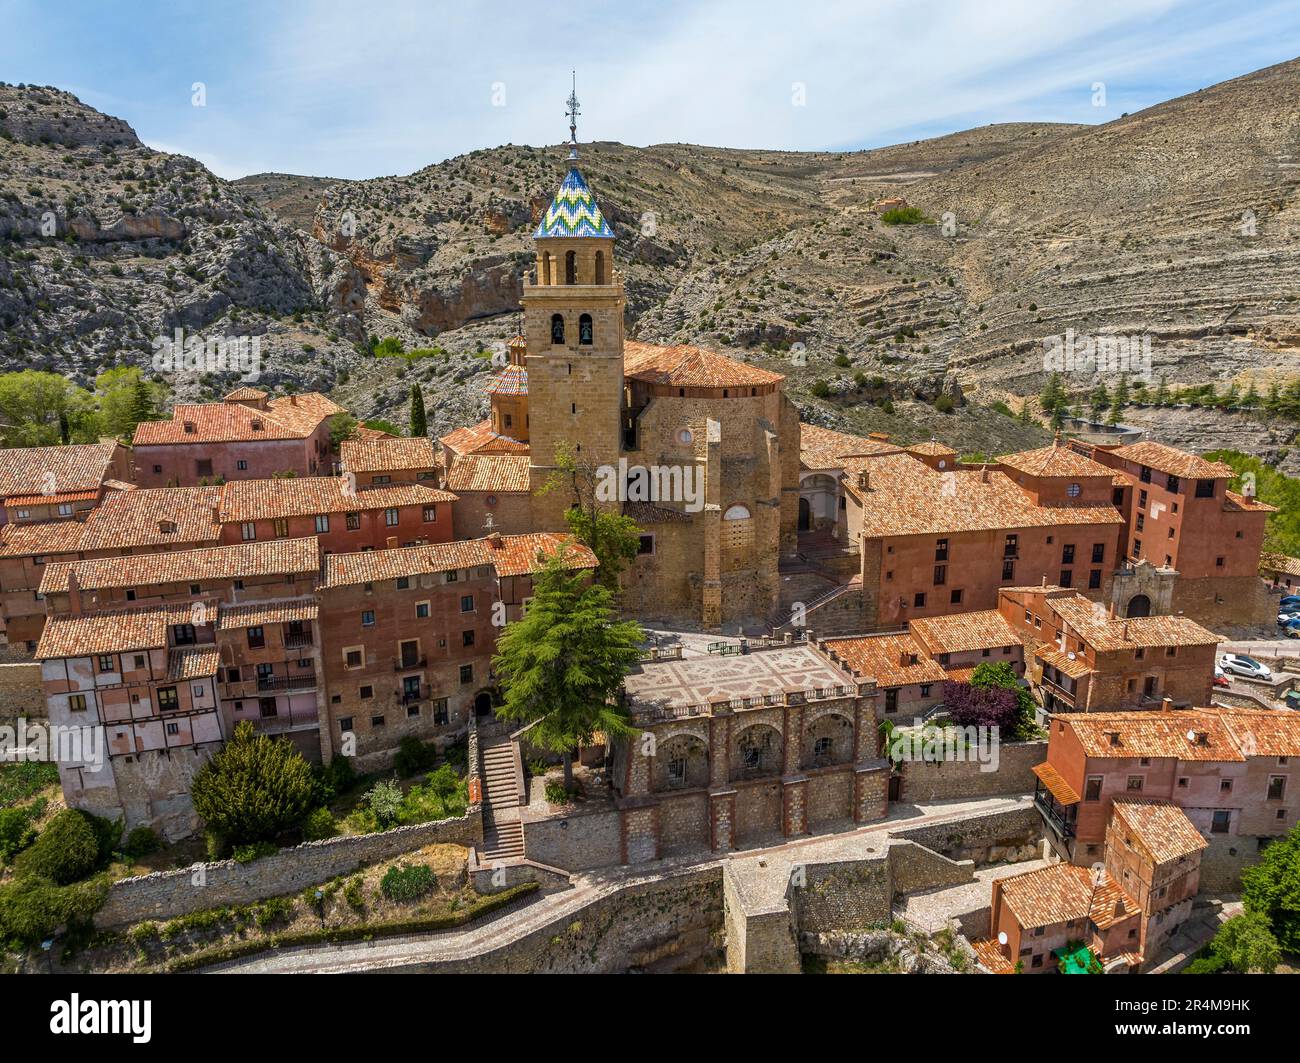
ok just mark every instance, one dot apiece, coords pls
pixel 1177 223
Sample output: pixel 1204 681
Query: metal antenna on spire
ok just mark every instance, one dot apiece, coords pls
pixel 572 114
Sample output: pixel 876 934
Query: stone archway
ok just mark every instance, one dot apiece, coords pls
pixel 805 515
pixel 828 740
pixel 681 763
pixel 483 703
pixel 1138 605
pixel 757 751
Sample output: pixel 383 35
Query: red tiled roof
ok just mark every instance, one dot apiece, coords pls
pixel 1234 501
pixel 193 662
pixel 14 501
pixel 43 538
pixel 904 496
pixel 33 471
pixel 156 516
pixel 1054 461
pixel 259 614
pixel 1156 734
pixel 387 454
pixel 961 632
pixel 824 448
pixel 1056 784
pixel 888 659
pixel 1061 892
pixel 932 449
pixel 273 558
pixel 690 367
pixel 292 417
pixel 1172 460
pixel 497 473
pixel 1106 633
pixel 1161 829
pixel 512 380
pixel 510 555
pixel 302 496
pixel 481 439
pixel 113 631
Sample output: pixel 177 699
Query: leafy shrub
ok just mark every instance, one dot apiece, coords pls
pixel 903 216
pixel 337 778
pixel 414 756
pixel 1272 888
pixel 319 824
pixel 457 756
pixel 944 404
pixel 274 910
pixel 32 908
pixel 246 854
pixel 1246 944
pixel 556 794
pixel 16 831
pixel 254 789
pixel 65 851
pixel 141 842
pixel 1207 963
pixel 820 389
pixel 384 801
pixel 407 882
pixel 354 893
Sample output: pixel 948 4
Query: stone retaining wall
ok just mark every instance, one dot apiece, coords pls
pixel 988 838
pixel 959 779
pixel 168 894
pixel 20 691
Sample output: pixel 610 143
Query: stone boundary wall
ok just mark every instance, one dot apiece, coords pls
pixel 989 838
pixel 20 691
pixel 168 894
pixel 961 779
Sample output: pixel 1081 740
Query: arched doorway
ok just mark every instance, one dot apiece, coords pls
pixel 483 703
pixel 805 515
pixel 1139 605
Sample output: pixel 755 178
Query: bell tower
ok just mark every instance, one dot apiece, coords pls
pixel 573 323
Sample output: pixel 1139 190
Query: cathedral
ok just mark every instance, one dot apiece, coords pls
pixel 708 446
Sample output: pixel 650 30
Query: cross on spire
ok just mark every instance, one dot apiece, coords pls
pixel 572 114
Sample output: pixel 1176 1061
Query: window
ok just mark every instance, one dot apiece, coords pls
pixel 352 521
pixel 248 531
pixel 1137 547
pixel 919 600
pixel 925 690
pixel 173 728
pixel 139 662
pixel 1145 475
pixel 1204 488
pixel 1276 787
pixel 77 702
pixel 1141 522
pixel 955 597
pixel 467 638
pixel 1074 490
pixel 322 523
pixel 241 465
pixel 1067 577
pixel 105 662
pixel 646 545
pixel 440 711
pixel 422 610
pixel 1098 553
pixel 354 658
pixel 1010 547
pixel 345 724
pixel 584 330
pixel 941 550
pixel 376 721
pixel 466 673
pixel 168 699
pixel 1094 579
pixel 557 329
pixel 1222 820
pixel 266 708
pixel 940 575
pixel 183 635
pixel 1174 484
pixel 1092 788
pixel 1184 782
pixel 467 603
pixel 390 517
pixel 365 693
pixel 403 583
pixel 1134 784
pixel 256 638
pixel 381 479
pixel 65 510
pixel 1008 570
pixel 677 770
pixel 1225 786
pixel 203 467
pixel 367 618
pixel 1219 562
pixel 430 514
pixel 280 528
pixel 1067 554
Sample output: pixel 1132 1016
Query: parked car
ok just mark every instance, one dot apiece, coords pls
pixel 1220 679
pixel 1288 599
pixel 1240 664
pixel 1291 630
pixel 1286 616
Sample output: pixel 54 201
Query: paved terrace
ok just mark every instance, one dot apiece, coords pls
pixel 764 875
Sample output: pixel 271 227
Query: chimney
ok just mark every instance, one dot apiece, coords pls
pixel 1201 738
pixel 74 593
pixel 293 400
pixel 1166 704
pixel 1044 579
pixel 984 474
pixel 1124 631
pixel 494 540
pixel 1110 610
pixel 216 514
pixel 391 542
pixel 1112 737
pixel 864 479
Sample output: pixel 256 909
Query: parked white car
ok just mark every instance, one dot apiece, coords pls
pixel 1240 664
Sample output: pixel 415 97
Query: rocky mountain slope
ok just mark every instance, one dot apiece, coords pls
pixel 1177 223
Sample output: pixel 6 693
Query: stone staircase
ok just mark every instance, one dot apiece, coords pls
pixel 503 833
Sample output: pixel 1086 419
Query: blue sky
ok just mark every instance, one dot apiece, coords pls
pixel 359 88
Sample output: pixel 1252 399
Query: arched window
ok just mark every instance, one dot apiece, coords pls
pixel 571 267
pixel 546 267
pixel 557 328
pixel 600 267
pixel 584 330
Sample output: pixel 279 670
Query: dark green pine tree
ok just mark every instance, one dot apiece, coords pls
pixel 562 663
pixel 419 420
pixel 141 405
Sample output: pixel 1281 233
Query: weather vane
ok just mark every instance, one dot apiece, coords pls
pixel 572 114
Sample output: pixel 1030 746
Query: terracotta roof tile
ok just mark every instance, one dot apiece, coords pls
pixel 1261 732
pixel 47 470
pixel 113 631
pixel 302 496
pixel 824 448
pixel 1056 784
pixel 1235 502
pixel 931 448
pixel 690 367
pixel 510 555
pixel 292 417
pixel 1160 829
pixel 989 953
pixel 1279 563
pixel 497 473
pixel 193 662
pixel 387 454
pixel 258 614
pixel 1054 461
pixel 961 632
pixel 512 380
pixel 889 659
pixel 43 538
pixel 276 557
pixel 1107 634
pixel 14 501
pixel 1061 892
pixel 157 516
pixel 904 496
pixel 481 439
pixel 1172 460
pixel 1155 734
